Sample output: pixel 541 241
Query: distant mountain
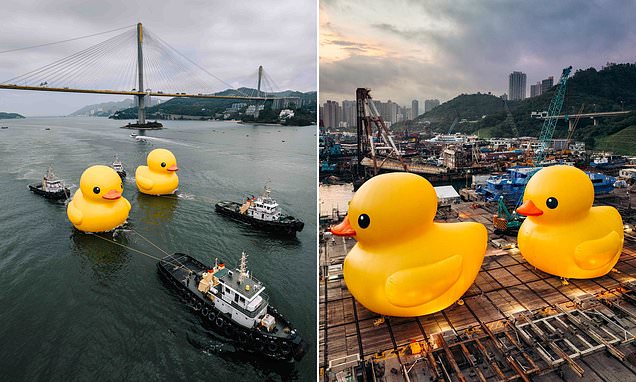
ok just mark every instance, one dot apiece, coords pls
pixel 612 88
pixel 464 106
pixel 10 115
pixel 207 108
pixel 106 109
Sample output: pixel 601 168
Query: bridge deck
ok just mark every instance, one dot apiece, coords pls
pixel 134 93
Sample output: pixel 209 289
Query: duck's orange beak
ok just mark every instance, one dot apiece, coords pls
pixel 173 168
pixel 112 195
pixel 343 229
pixel 529 209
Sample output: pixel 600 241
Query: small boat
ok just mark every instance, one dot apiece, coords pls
pixel 262 212
pixel 133 135
pixel 608 162
pixel 119 167
pixel 51 187
pixel 232 302
pixel 4 127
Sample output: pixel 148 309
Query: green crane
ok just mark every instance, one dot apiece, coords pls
pixel 549 123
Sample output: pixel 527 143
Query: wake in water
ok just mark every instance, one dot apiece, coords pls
pixel 157 139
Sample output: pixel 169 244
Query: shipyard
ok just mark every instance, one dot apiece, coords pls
pixel 515 322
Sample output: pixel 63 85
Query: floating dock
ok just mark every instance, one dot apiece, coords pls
pixel 515 323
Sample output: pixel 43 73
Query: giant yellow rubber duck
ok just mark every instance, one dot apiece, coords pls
pixel 563 234
pixel 160 176
pixel 404 264
pixel 98 205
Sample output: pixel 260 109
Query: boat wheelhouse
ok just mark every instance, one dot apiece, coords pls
pixel 262 207
pixel 51 187
pixel 118 167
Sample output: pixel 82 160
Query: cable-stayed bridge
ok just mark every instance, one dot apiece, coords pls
pixel 138 63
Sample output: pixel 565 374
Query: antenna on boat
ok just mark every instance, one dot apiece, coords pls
pixel 243 267
pixel 267 190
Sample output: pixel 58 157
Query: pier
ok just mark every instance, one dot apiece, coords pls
pixel 514 323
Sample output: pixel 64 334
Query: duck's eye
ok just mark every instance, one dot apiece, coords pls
pixel 96 190
pixel 364 221
pixel 163 164
pixel 552 203
pixel 121 185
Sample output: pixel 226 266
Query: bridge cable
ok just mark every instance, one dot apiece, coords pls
pixel 43 68
pixel 68 40
pixel 175 62
pixel 192 62
pixel 85 66
pixel 64 64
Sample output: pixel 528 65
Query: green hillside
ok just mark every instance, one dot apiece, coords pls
pixel 464 106
pixel 623 142
pixel 4 115
pixel 611 89
pixel 208 108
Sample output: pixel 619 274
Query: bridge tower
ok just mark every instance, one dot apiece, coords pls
pixel 140 69
pixel 260 76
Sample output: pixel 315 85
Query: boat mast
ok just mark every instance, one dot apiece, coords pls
pixel 45 180
pixel 243 267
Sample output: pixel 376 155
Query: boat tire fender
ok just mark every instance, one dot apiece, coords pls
pixel 258 343
pixel 286 348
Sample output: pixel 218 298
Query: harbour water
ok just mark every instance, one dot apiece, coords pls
pixel 76 307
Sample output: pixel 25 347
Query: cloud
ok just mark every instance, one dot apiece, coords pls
pixel 229 39
pixel 439 49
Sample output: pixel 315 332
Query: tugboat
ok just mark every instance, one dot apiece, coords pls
pixel 51 187
pixel 262 212
pixel 234 304
pixel 118 167
pixel 512 184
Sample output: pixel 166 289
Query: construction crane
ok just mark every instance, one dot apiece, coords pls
pixel 549 123
pixel 510 119
pixel 368 120
pixel 506 221
pixel 450 129
pixel 572 128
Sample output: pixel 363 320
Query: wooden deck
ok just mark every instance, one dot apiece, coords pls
pixel 479 340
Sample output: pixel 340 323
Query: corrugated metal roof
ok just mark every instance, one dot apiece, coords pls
pixel 446 192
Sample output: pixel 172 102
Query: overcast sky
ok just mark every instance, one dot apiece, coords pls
pixel 406 50
pixel 228 38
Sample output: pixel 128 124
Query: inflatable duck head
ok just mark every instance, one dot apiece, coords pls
pixel 162 161
pixel 388 208
pixel 556 194
pixel 101 184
